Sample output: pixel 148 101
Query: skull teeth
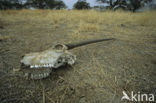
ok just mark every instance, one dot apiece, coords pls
pixel 47 65
pixel 40 66
pixel 36 66
pixel 31 66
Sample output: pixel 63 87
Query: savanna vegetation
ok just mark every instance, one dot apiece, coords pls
pixel 102 71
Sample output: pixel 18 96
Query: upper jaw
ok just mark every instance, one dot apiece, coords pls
pixel 42 66
pixel 35 72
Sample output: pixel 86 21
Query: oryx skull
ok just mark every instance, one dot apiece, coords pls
pixel 39 64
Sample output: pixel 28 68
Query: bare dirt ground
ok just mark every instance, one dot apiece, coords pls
pixel 102 71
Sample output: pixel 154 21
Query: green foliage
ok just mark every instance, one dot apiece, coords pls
pixel 131 5
pixel 41 4
pixel 135 4
pixel 52 4
pixel 10 5
pixel 60 4
pixel 81 4
pixel 138 3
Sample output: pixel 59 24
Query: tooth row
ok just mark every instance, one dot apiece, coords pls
pixel 39 76
pixel 44 65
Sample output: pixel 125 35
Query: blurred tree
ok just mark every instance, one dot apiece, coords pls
pixel 46 4
pixel 42 4
pixel 112 3
pixel 10 4
pixel 60 5
pixel 129 4
pixel 135 4
pixel 5 5
pixel 81 4
pixel 50 4
pixel 29 4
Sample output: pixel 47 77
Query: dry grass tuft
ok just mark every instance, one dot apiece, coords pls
pixel 88 27
pixel 3 38
pixel 1 24
pixel 146 18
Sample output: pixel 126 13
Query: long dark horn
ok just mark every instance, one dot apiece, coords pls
pixel 74 45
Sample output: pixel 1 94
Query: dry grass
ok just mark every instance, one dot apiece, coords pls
pixel 102 71
pixel 3 38
pixel 1 24
pixel 81 22
pixel 92 17
pixel 88 27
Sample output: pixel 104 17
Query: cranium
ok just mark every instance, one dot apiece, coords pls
pixel 46 60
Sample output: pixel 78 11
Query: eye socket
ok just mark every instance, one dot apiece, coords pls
pixel 59 60
pixel 59 47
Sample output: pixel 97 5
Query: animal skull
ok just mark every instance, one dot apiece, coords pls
pixel 39 64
